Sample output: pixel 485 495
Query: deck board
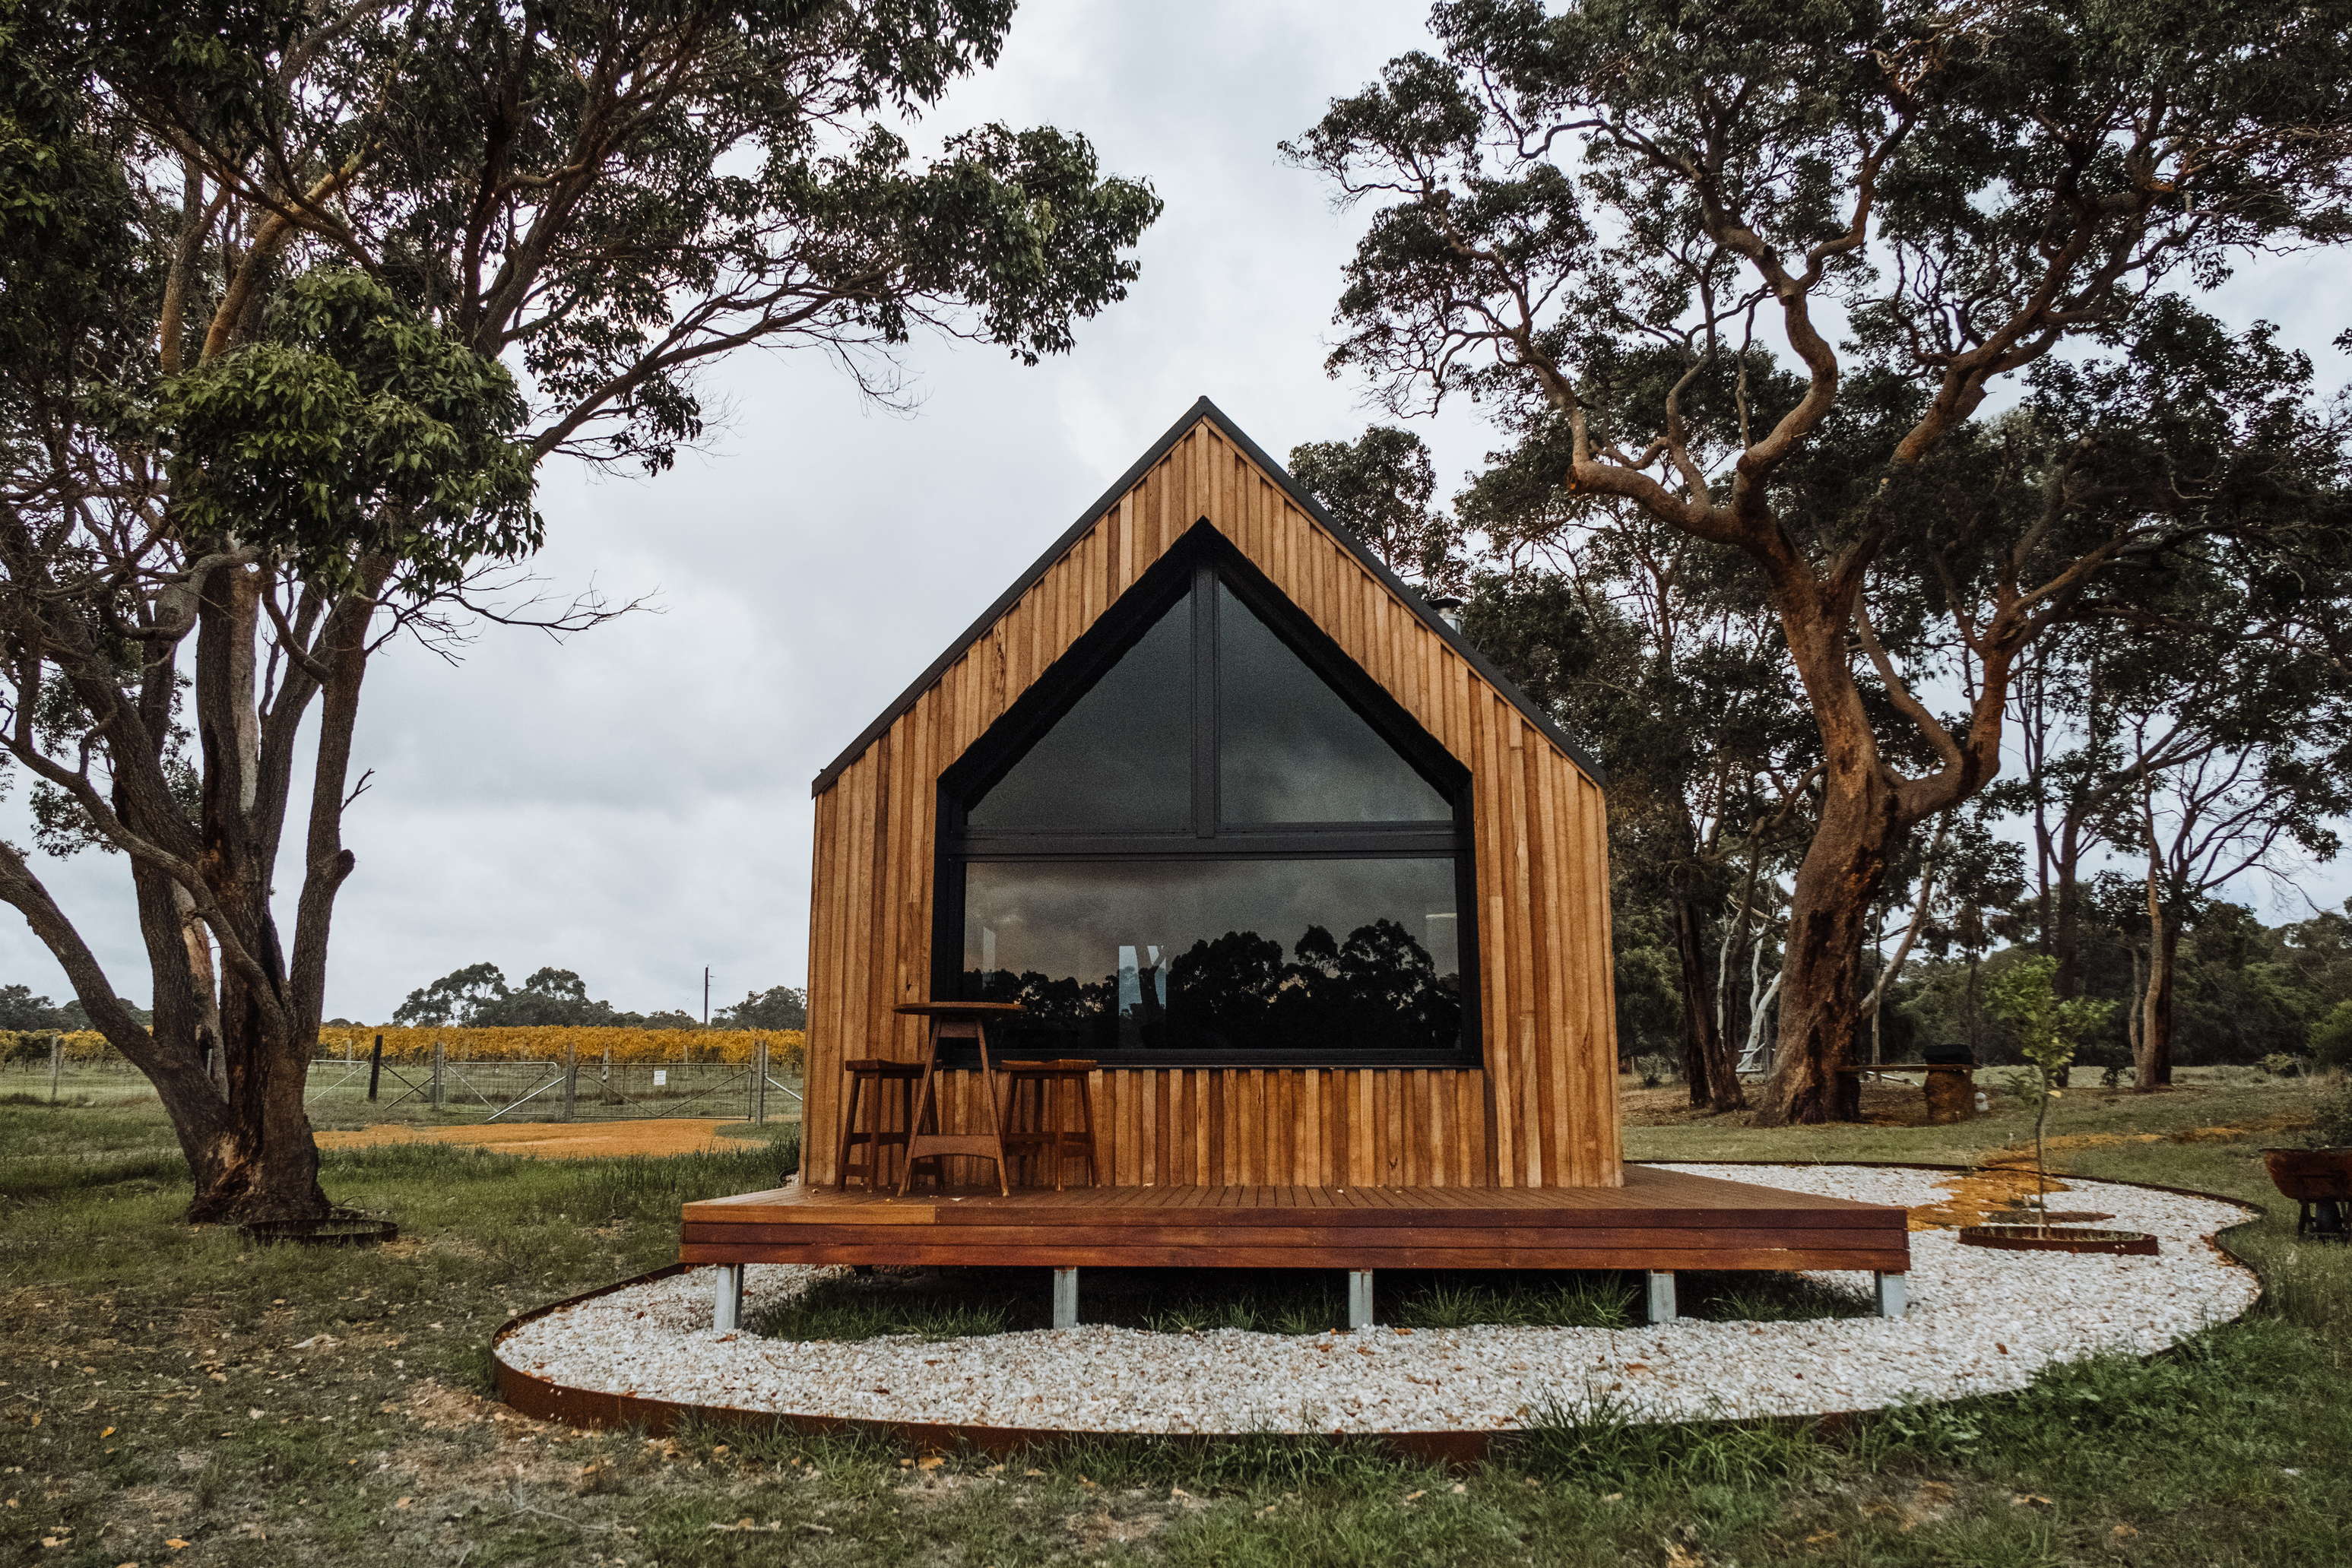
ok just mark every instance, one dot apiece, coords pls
pixel 1658 1219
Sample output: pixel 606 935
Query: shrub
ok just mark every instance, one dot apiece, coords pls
pixel 2333 1130
pixel 2331 1037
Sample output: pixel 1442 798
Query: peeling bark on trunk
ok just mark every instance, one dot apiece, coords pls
pixel 1828 905
pixel 1821 987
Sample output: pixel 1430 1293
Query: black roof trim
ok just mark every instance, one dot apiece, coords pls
pixel 1204 408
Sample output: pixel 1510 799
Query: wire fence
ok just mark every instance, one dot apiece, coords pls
pixel 552 1089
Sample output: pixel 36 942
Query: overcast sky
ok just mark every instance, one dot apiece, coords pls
pixel 634 804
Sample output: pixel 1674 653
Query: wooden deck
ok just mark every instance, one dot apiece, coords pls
pixel 1659 1220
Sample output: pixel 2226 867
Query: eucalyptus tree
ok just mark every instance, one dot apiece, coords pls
pixel 1380 486
pixel 1661 651
pixel 2232 734
pixel 298 297
pixel 1969 190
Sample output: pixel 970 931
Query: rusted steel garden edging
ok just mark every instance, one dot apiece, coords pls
pixel 546 1400
pixel 2060 1238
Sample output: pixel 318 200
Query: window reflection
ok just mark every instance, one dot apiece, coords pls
pixel 1121 758
pixel 1300 957
pixel 1290 750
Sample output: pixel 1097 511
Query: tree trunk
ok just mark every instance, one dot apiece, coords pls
pixel 2153 1060
pixel 1976 1051
pixel 1707 1055
pixel 1828 909
pixel 262 1161
pixel 2066 940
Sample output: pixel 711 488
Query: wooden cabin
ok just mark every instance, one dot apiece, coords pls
pixel 1236 816
pixel 1210 717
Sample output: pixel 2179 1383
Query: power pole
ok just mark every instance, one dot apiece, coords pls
pixel 706 996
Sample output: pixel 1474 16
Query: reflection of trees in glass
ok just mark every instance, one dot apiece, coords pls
pixel 1378 991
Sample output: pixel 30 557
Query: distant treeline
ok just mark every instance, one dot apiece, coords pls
pixel 20 1010
pixel 2245 991
pixel 478 996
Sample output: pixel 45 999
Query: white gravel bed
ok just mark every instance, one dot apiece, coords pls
pixel 1980 1322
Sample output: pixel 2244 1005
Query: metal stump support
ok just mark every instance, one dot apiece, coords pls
pixel 437 1059
pixel 1662 1296
pixel 570 1078
pixel 1065 1297
pixel 759 1082
pixel 376 1069
pixel 1359 1298
pixel 727 1310
pixel 1894 1294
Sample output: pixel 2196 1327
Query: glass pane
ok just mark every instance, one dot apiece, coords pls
pixel 1289 750
pixel 1311 956
pixel 1119 760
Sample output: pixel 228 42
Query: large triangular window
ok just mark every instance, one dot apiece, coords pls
pixel 1206 836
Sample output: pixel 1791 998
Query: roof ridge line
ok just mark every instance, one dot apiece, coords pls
pixel 1203 408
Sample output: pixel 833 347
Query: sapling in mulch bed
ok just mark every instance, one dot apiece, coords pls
pixel 2049 1033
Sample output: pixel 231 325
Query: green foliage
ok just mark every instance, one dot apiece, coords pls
pixel 777 1007
pixel 2331 1036
pixel 2049 1033
pixel 351 424
pixel 2332 1122
pixel 478 996
pixel 1378 486
pixel 72 267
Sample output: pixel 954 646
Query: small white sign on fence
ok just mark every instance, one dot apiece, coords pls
pixel 661 1077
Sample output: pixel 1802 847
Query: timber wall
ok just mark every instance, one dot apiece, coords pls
pixel 1543 1110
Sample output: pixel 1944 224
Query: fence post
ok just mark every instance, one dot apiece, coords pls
pixel 376 1069
pixel 437 1074
pixel 571 1076
pixel 57 1063
pixel 760 1081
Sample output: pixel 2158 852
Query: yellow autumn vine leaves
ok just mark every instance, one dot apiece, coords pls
pixel 547 1043
pixel 786 1048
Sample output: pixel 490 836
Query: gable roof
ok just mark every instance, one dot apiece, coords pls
pixel 1206 411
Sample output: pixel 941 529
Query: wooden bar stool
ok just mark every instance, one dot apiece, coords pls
pixel 1045 1134
pixel 883 1087
pixel 955 1020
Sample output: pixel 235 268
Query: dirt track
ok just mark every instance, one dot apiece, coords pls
pixel 553 1140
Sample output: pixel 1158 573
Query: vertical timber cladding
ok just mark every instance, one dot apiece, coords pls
pixel 1542 1113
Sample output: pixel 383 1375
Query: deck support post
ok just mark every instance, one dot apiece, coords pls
pixel 1662 1296
pixel 1894 1295
pixel 727 1312
pixel 1359 1298
pixel 1065 1297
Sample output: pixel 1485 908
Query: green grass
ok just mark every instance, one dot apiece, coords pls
pixel 1579 1302
pixel 2227 1451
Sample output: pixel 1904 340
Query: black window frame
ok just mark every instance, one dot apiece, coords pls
pixel 1190 569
